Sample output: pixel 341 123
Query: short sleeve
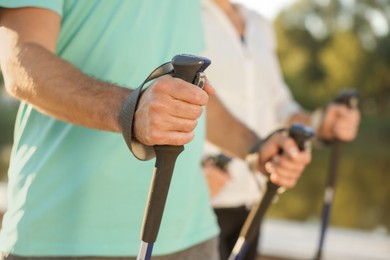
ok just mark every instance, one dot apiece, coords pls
pixel 53 5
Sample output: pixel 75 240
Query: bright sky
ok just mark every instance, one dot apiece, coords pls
pixel 271 8
pixel 268 8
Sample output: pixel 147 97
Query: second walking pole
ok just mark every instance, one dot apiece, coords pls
pixel 301 135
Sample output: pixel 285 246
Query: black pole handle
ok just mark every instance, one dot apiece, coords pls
pixel 166 156
pixel 188 68
pixel 349 97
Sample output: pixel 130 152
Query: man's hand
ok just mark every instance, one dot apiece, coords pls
pixel 216 178
pixel 284 168
pixel 339 122
pixel 168 111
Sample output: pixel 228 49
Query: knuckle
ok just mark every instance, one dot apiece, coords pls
pixel 160 85
pixel 154 137
pixel 189 137
pixel 192 125
pixel 156 107
pixel 197 111
pixel 200 97
pixel 299 171
pixel 188 126
pixel 291 184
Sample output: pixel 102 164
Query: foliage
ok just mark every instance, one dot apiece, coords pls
pixel 325 46
pixel 328 45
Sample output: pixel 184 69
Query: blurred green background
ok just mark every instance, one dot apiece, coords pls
pixel 324 46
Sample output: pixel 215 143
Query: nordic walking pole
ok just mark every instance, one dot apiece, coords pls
pixel 350 99
pixel 189 68
pixel 301 135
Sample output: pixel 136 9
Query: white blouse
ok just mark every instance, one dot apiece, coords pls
pixel 247 78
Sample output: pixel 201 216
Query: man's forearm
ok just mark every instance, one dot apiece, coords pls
pixel 167 110
pixel 56 88
pixel 299 117
pixel 226 131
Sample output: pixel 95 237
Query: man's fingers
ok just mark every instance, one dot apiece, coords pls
pixel 277 143
pixel 288 146
pixel 286 167
pixel 184 91
pixel 340 122
pixel 170 138
pixel 216 179
pixel 209 88
pixel 282 181
pixel 168 111
pixel 285 171
pixel 171 123
pixel 181 109
pixel 345 132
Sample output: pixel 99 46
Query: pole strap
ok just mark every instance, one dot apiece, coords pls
pixel 126 115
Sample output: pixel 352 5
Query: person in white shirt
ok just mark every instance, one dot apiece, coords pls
pixel 248 80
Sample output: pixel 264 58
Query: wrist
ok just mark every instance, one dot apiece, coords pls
pixel 316 121
pixel 126 121
pixel 219 160
pixel 316 118
pixel 252 158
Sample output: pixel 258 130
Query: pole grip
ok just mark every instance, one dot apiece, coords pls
pixel 166 156
pixel 349 97
pixel 189 68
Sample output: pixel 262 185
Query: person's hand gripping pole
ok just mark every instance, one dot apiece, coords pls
pixel 301 135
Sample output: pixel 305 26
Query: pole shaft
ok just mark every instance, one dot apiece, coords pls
pixel 145 251
pixel 329 195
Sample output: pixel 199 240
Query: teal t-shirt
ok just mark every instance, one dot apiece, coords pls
pixel 79 191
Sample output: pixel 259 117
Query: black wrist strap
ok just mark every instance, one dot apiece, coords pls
pixel 127 112
pixel 252 158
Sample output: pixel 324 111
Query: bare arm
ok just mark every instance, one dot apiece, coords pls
pixel 225 131
pixel 34 74
pixel 167 111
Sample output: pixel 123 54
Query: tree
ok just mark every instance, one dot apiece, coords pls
pixel 324 46
pixel 331 44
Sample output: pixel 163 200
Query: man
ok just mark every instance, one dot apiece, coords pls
pixel 74 188
pixel 248 80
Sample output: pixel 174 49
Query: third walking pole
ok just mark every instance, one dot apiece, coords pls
pixel 349 98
